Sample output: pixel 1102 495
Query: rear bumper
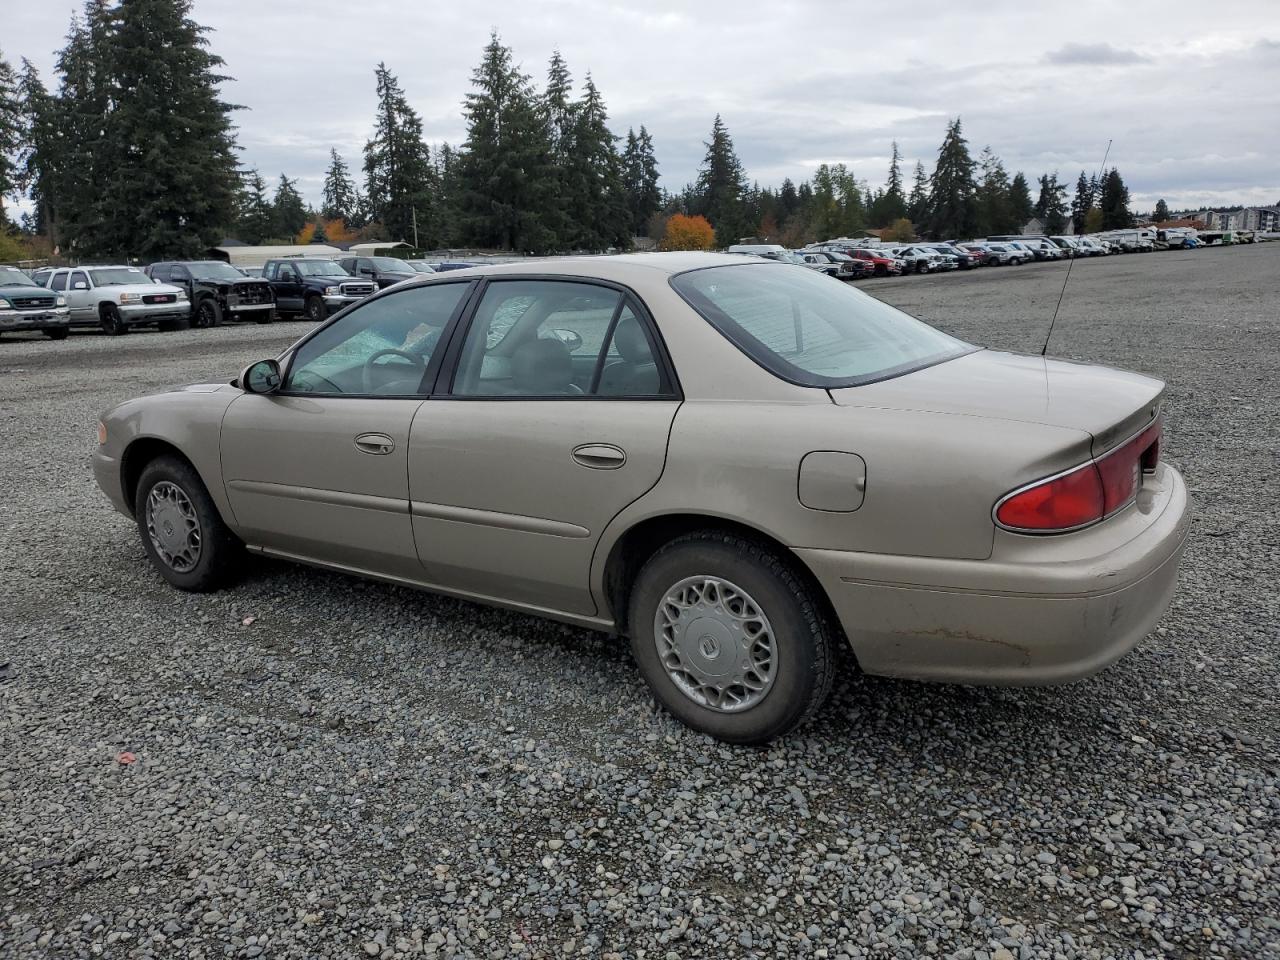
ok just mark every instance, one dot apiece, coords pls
pixel 1041 610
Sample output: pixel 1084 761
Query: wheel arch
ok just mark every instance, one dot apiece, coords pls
pixel 633 548
pixel 140 452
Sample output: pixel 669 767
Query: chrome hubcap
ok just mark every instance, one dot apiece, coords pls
pixel 715 643
pixel 173 526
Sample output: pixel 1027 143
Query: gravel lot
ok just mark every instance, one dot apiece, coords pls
pixel 328 767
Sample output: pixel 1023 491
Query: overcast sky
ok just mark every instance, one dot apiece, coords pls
pixel 1189 90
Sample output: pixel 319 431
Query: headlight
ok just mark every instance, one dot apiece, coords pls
pixel 61 301
pixel 5 304
pixel 130 298
pixel 182 294
pixel 332 291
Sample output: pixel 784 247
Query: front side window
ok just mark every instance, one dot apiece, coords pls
pixel 557 338
pixel 380 348
pixel 805 329
pixel 59 281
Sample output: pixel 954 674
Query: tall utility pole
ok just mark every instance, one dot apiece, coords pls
pixel 415 226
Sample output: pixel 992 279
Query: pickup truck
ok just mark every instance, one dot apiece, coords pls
pixel 313 286
pixel 218 291
pixel 117 298
pixel 25 305
pixel 384 271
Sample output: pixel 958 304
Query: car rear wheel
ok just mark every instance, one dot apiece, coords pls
pixel 208 313
pixel 730 639
pixel 112 323
pixel 182 532
pixel 316 310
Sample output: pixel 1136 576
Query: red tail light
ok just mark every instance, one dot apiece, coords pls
pixel 1086 494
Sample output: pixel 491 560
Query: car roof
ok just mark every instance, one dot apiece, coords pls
pixel 620 268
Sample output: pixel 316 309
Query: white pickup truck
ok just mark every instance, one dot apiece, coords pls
pixel 117 298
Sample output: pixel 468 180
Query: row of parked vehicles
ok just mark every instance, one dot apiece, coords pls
pixel 177 294
pixel 852 259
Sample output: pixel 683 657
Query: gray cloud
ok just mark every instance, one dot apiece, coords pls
pixel 795 87
pixel 1092 54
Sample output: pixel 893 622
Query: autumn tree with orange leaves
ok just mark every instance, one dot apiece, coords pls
pixel 688 233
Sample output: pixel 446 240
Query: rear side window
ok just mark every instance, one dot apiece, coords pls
pixel 807 330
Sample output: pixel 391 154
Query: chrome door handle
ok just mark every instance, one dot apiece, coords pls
pixel 378 444
pixel 599 456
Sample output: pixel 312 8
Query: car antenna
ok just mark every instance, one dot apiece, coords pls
pixel 1070 263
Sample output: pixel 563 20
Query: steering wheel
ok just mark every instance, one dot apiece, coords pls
pixel 367 372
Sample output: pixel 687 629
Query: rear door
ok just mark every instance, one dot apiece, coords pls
pixel 318 471
pixel 555 417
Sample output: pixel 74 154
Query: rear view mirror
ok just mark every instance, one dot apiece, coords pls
pixel 261 377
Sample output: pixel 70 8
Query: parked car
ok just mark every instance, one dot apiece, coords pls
pixel 217 291
pixel 1006 254
pixel 1040 247
pixel 917 259
pixel 883 263
pixel 117 298
pixel 314 286
pixel 597 475
pixel 843 266
pixel 964 259
pixel 1071 245
pixel 982 253
pixel 770 250
pixel 815 261
pixel 421 266
pixel 25 305
pixel 384 271
pixel 444 266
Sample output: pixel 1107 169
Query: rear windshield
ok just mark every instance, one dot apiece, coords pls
pixel 812 330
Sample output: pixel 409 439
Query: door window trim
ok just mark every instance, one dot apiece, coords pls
pixel 448 370
pixel 430 374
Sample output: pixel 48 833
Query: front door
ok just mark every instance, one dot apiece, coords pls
pixel 288 288
pixel 557 418
pixel 80 297
pixel 319 470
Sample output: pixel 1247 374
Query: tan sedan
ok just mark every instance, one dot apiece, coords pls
pixel 739 464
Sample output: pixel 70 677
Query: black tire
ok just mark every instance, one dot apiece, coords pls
pixel 316 310
pixel 208 313
pixel 113 324
pixel 803 640
pixel 57 333
pixel 219 553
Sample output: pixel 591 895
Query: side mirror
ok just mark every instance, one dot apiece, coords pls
pixel 261 377
pixel 570 338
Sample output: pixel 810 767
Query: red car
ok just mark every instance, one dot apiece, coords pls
pixel 885 266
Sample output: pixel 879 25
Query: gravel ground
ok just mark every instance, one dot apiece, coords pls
pixel 332 768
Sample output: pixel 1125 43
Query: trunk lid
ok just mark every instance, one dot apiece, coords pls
pixel 1110 405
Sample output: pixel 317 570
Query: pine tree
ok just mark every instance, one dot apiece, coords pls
pixel 339 198
pixel 994 204
pixel 918 208
pixel 951 189
pixel 12 134
pixel 891 204
pixel 40 135
pixel 506 170
pixel 601 218
pixel 255 219
pixel 1021 208
pixel 165 175
pixel 397 166
pixel 78 164
pixel 1115 202
pixel 289 210
pixel 640 179
pixel 1162 211
pixel 1051 205
pixel 720 186
pixel 1082 203
pixel 445 164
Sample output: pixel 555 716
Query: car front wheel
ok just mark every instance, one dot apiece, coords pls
pixel 316 309
pixel 112 323
pixel 208 313
pixel 730 639
pixel 182 532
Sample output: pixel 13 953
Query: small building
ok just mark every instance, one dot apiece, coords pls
pixel 246 255
pixel 1033 228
